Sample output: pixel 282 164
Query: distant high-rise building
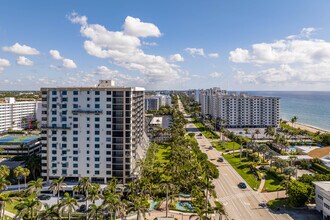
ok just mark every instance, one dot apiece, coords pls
pixel 151 103
pixel 16 114
pixel 239 111
pixel 96 132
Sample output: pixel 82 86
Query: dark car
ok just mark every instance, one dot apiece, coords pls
pixel 44 197
pixel 220 159
pixel 210 147
pixel 242 185
pixel 82 208
pixel 263 204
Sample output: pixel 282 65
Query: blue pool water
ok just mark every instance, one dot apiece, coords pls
pixel 184 206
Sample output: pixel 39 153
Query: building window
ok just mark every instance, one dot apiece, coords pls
pixel 75 165
pixel 63 152
pixel 97 146
pixel 54 152
pixel 54 171
pixel 320 197
pixel 64 165
pixel 97 152
pixel 75 105
pixel 54 139
pixel 75 119
pixel 75 158
pixel 97 105
pixel 97 92
pixel 97 172
pixel 64 105
pixel 108 92
pixel 97 132
pixel 54 99
pixel 327 206
pixel 97 139
pixel 97 99
pixel 75 99
pixel 54 112
pixel 54 158
pixel 63 132
pixel 54 92
pixel 64 172
pixel 63 145
pixel 64 93
pixel 97 125
pixel 63 138
pixel 75 152
pixel 75 171
pixel 97 119
pixel 75 132
pixel 54 119
pixel 75 145
pixel 75 92
pixel 97 165
pixel 54 145
pixel 97 159
pixel 64 158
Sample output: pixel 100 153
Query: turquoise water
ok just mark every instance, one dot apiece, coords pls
pixel 153 204
pixel 184 206
pixel 310 107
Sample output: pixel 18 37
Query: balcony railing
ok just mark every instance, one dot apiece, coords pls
pixel 88 111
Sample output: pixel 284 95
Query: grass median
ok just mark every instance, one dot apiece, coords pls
pixel 243 169
pixel 206 132
pixel 225 146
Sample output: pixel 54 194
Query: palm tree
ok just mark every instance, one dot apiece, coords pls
pixel 166 184
pixel 269 131
pixel 4 171
pixel 57 186
pixel 246 130
pixel 35 186
pixel 4 198
pixel 27 208
pixel 3 183
pixel 112 200
pixel 94 211
pixel 49 213
pixel 18 173
pixel 84 186
pixel 199 215
pixel 257 132
pixel 140 205
pixel 94 193
pixel 25 173
pixel 68 204
pixel 33 163
pixel 293 120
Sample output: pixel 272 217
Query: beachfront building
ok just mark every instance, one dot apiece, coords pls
pixel 154 102
pixel 95 132
pixel 16 115
pixel 240 110
pixel 322 197
pixel 19 145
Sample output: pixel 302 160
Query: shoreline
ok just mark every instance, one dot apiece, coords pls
pixel 308 127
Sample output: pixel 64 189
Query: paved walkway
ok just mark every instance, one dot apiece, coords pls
pixel 262 183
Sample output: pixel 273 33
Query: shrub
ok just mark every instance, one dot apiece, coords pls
pixel 319 168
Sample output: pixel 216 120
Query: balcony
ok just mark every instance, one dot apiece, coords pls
pixel 87 111
pixel 55 127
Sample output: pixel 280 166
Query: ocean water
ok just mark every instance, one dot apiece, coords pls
pixel 311 108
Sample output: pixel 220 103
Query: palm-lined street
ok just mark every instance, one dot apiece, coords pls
pixel 238 203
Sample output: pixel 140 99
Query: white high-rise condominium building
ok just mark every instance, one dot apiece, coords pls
pixel 239 111
pixel 95 132
pixel 16 115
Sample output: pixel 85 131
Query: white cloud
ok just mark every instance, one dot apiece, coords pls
pixel 55 54
pixel 125 50
pixel 69 64
pixel 295 59
pixel 66 63
pixel 21 49
pixel 195 51
pixel 135 27
pixel 3 63
pixel 24 61
pixel 77 19
pixel 176 58
pixel 149 43
pixel 215 75
pixel 239 55
pixel 120 78
pixel 213 55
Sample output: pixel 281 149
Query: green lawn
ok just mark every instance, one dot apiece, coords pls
pixel 226 146
pixel 242 167
pixel 277 203
pixel 10 206
pixel 163 152
pixel 208 134
pixel 272 182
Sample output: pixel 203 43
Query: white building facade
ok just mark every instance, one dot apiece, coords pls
pixel 322 197
pixel 240 111
pixel 16 115
pixel 96 132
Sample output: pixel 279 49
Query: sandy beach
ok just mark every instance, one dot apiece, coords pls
pixel 308 127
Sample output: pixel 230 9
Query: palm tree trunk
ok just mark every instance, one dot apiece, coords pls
pixel 69 215
pixel 58 196
pixel 3 210
pixel 19 187
pixel 207 202
pixel 86 198
pixel 166 201
pixel 25 182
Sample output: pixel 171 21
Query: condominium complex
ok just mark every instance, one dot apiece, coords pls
pixel 322 198
pixel 16 115
pixel 95 132
pixel 154 102
pixel 238 111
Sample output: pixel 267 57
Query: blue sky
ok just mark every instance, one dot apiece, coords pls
pixel 237 45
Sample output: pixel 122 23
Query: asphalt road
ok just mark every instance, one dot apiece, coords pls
pixel 239 203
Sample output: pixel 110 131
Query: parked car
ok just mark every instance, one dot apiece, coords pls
pixel 210 147
pixel 44 197
pixel 82 208
pixel 263 204
pixel 220 159
pixel 242 185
